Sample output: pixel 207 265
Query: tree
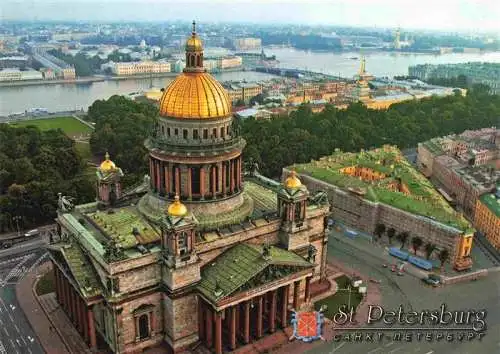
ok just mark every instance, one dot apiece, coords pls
pixel 391 232
pixel 429 249
pixel 239 103
pixel 444 254
pixel 379 230
pixel 403 238
pixel 416 243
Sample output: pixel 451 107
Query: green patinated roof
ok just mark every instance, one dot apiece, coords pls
pixel 120 224
pixel 492 203
pixel 238 265
pixel 264 198
pixel 422 200
pixel 82 270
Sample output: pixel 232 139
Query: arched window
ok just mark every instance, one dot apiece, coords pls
pixel 222 132
pixel 144 326
pixel 205 133
pixel 168 131
pixel 195 134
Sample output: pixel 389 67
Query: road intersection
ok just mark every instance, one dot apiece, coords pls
pixel 413 294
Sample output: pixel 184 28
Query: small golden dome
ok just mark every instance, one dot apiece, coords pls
pixel 177 208
pixel 107 165
pixel 195 95
pixel 194 44
pixel 293 181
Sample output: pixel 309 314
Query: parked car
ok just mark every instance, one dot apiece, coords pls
pixel 432 281
pixel 32 233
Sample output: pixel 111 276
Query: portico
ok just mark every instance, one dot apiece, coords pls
pixel 267 285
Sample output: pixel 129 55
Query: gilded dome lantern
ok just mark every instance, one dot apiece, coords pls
pixel 195 94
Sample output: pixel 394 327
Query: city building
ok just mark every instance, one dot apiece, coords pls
pixel 487 216
pixel 140 67
pixel 381 186
pixel 463 166
pixel 476 73
pixel 247 43
pixel 14 62
pixel 228 62
pixel 242 91
pixel 14 74
pixel 258 114
pixel 201 253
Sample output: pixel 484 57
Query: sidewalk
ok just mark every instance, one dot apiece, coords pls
pixel 47 337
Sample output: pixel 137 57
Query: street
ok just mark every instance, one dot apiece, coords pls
pixel 16 334
pixel 413 294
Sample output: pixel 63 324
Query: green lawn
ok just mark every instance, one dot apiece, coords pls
pixel 69 125
pixel 45 284
pixel 340 298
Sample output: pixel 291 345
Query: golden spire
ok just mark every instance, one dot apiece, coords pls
pixel 107 165
pixel 362 68
pixel 177 208
pixel 293 181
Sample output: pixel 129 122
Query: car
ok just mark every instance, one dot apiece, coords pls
pixel 384 265
pixel 393 268
pixel 400 273
pixel 432 281
pixel 375 281
pixel 31 233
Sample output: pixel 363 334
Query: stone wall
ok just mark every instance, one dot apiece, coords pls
pixel 128 325
pixel 181 320
pixel 139 278
pixel 361 214
pixel 466 277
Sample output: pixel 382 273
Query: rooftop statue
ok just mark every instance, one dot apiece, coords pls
pixel 65 203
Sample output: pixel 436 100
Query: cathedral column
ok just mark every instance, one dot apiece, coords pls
pixel 151 171
pixel 85 322
pixel 158 177
pixel 232 328
pixel 296 295
pixel 272 314
pixel 189 186
pixel 259 317
pixel 79 314
pixel 284 305
pixel 224 182
pixel 214 180
pixel 208 326
pixel 64 298
pixel 90 319
pixel 231 175
pixel 218 332
pixel 308 289
pixel 246 324
pixel 201 319
pixel 177 181
pixel 202 182
pixel 167 179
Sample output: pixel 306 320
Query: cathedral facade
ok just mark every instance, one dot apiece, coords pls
pixel 202 253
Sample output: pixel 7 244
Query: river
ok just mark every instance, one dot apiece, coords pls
pixel 76 96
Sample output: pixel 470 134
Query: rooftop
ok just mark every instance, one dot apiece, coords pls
pixel 397 183
pixel 492 202
pixel 234 268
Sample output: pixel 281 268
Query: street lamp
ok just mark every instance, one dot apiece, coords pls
pixel 16 219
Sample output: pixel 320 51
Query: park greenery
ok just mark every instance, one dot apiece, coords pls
pixel 121 126
pixel 35 166
pixel 304 135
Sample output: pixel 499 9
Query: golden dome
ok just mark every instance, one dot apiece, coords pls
pixel 107 165
pixel 177 208
pixel 194 44
pixel 293 181
pixel 195 95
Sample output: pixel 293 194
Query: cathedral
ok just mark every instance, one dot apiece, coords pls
pixel 202 253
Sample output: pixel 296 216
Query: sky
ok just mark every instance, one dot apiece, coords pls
pixel 465 15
